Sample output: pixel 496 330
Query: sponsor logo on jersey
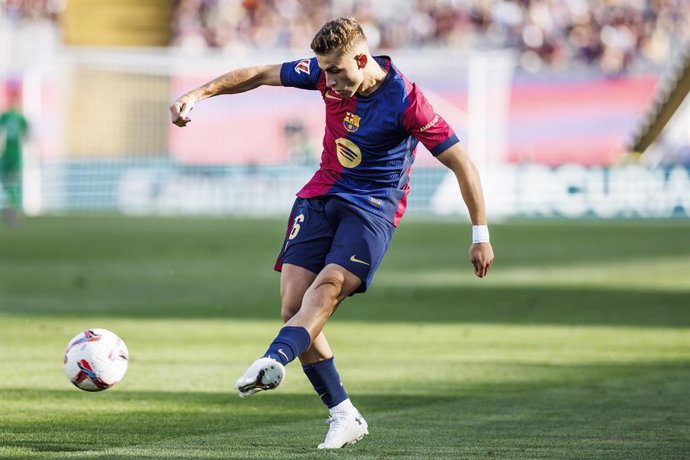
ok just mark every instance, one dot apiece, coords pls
pixel 430 124
pixel 351 121
pixel 302 66
pixel 349 154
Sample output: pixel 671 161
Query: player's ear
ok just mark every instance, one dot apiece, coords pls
pixel 361 60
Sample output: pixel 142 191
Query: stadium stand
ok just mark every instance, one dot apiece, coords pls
pixel 611 35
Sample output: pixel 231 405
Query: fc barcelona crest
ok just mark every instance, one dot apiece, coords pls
pixel 351 122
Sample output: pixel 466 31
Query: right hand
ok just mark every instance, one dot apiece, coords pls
pixel 179 111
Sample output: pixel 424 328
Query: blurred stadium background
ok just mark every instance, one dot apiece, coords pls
pixel 548 96
pixel 576 345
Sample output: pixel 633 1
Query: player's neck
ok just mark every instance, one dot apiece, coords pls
pixel 373 80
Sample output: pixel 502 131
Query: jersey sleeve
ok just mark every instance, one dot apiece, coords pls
pixel 303 73
pixel 421 120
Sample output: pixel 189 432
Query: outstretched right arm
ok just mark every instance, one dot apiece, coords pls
pixel 236 81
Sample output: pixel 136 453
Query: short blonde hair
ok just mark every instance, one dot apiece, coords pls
pixel 341 35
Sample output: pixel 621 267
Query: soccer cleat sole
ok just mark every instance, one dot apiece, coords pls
pixel 354 441
pixel 250 388
pixel 349 443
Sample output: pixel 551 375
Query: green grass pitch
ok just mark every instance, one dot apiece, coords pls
pixel 576 346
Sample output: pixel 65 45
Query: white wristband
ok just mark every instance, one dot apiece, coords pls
pixel 480 234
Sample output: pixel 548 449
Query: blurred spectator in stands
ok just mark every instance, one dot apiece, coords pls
pixel 612 35
pixel 190 29
pixel 31 26
pixel 550 34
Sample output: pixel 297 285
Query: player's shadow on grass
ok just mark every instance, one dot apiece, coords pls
pixel 161 423
pixel 598 410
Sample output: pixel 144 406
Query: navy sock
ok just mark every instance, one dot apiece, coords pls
pixel 290 343
pixel 326 381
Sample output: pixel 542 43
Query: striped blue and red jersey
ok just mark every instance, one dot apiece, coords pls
pixel 370 142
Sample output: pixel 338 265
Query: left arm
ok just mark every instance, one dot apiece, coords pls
pixel 455 159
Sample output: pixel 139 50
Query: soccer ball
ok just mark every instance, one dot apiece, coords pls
pixel 95 360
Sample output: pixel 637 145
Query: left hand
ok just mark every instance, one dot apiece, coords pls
pixel 481 256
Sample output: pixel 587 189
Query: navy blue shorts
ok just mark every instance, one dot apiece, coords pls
pixel 328 230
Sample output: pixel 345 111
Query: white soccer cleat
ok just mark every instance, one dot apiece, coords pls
pixel 264 374
pixel 345 428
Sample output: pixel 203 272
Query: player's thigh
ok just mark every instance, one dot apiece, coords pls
pixel 360 242
pixel 294 282
pixel 308 237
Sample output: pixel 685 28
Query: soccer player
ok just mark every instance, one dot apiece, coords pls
pixel 14 128
pixel 343 219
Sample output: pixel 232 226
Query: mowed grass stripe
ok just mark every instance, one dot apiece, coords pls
pixel 667 274
pixel 206 355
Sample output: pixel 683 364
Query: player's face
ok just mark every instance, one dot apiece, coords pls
pixel 343 73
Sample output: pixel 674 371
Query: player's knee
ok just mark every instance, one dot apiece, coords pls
pixel 328 288
pixel 288 311
pixel 291 302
